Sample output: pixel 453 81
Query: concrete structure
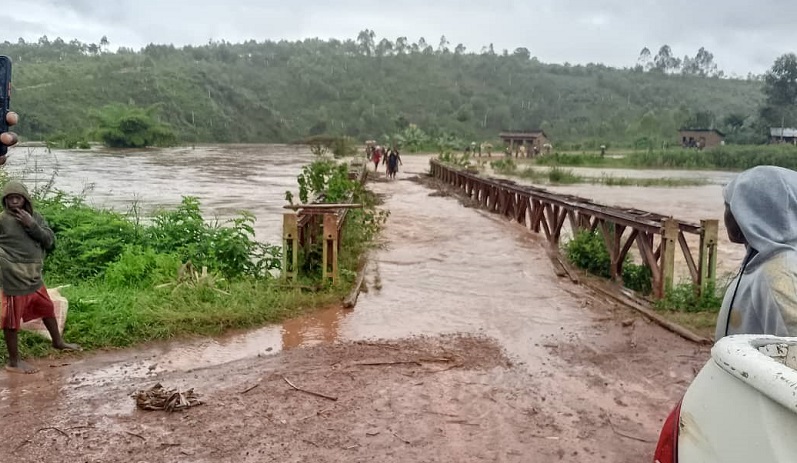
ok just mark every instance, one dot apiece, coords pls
pixel 534 141
pixel 701 138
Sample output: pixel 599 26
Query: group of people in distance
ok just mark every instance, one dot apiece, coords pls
pixel 389 157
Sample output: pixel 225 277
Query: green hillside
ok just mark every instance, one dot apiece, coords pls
pixel 283 91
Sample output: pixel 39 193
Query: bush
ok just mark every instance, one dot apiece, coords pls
pixel 122 126
pixel 588 251
pixel 228 248
pixel 504 166
pixel 327 177
pixel 565 176
pixel 87 239
pixel 141 267
pixel 684 298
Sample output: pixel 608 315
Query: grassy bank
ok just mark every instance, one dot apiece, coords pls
pixel 131 282
pixel 731 157
pixel 558 175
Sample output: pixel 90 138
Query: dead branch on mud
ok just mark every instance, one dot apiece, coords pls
pixel 136 435
pixel 380 364
pixel 170 400
pixel 419 362
pixel 400 438
pixel 628 436
pixel 53 428
pixel 317 394
pixel 249 389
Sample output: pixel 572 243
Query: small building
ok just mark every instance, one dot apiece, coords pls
pixel 701 138
pixel 533 142
pixel 783 135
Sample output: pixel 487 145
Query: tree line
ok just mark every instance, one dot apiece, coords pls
pixel 369 88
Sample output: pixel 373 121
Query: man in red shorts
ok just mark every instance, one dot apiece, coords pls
pixel 25 238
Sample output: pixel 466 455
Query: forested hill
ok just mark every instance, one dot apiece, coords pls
pixel 283 91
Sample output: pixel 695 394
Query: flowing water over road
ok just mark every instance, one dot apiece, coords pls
pixel 442 268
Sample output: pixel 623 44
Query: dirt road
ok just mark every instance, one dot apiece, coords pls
pixel 513 365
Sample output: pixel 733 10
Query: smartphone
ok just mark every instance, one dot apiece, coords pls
pixel 5 97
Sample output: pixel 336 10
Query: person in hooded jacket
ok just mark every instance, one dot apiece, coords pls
pixel 25 238
pixel 761 213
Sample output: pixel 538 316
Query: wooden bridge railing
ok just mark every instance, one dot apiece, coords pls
pixel 303 228
pixel 656 236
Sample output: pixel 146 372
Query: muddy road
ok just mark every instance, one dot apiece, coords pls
pixel 464 348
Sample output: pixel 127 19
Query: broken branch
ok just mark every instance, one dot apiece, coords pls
pixel 136 435
pixel 628 436
pixel 317 394
pixel 60 431
pixel 400 438
pixel 251 388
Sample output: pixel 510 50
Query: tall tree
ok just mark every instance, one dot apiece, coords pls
pixel 705 63
pixel 665 61
pixel 384 48
pixel 366 40
pixel 443 47
pixel 780 90
pixel 401 45
pixel 645 59
pixel 523 53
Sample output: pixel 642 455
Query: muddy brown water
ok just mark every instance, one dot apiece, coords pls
pixel 226 179
pixel 441 268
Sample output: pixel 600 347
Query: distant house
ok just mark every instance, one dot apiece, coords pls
pixel 701 138
pixel 783 135
pixel 534 141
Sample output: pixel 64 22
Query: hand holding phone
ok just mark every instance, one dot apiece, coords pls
pixel 7 118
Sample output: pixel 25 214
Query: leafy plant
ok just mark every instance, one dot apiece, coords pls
pixel 587 250
pixel 684 298
pixel 131 127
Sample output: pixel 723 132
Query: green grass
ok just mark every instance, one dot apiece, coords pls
pixel 730 157
pixel 560 176
pixel 610 180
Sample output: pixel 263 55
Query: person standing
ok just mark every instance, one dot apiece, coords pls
pixel 760 205
pixel 25 238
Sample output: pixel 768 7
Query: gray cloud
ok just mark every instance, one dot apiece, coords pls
pixel 742 37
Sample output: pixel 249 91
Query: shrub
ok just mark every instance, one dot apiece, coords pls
pixel 588 251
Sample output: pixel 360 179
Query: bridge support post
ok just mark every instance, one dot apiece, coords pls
pixel 290 248
pixel 707 267
pixel 330 253
pixel 669 239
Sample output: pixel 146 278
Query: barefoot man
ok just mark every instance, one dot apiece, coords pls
pixel 25 237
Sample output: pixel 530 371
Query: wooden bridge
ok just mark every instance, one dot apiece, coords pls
pixel 657 237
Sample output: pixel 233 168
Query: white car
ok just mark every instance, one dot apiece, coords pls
pixel 741 407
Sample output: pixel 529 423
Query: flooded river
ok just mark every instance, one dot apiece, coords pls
pixel 441 268
pixel 226 179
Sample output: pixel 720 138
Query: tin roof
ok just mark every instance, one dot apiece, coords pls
pixel 783 132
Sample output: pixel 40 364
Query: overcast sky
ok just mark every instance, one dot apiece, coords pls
pixel 744 36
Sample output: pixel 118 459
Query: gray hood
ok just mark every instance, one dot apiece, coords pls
pixel 763 201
